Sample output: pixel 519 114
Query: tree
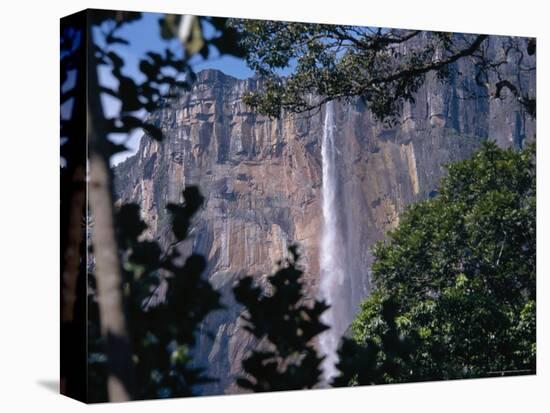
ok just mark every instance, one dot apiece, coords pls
pixel 72 213
pixel 460 269
pixel 87 42
pixel 166 300
pixel 285 328
pixel 377 359
pixel 385 67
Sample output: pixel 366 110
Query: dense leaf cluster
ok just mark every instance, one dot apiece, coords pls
pixel 286 358
pixel 384 67
pixel 165 72
pixel 460 272
pixel 167 298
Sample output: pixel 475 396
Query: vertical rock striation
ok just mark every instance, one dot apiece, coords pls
pixel 262 180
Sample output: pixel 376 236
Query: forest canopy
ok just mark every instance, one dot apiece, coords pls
pixel 384 67
pixel 460 272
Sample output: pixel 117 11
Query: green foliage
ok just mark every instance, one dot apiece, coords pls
pixel 166 300
pixel 379 358
pixel 384 67
pixel 166 296
pixel 460 269
pixel 285 328
pixel 335 61
pixel 165 72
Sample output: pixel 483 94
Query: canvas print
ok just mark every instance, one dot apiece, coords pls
pixel 255 206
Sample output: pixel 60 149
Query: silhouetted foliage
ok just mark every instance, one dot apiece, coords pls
pixel 285 328
pixel 181 214
pixel 72 210
pixel 384 67
pixel 165 72
pixel 379 359
pixel 166 300
pixel 460 272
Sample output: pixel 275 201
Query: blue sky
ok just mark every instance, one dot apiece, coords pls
pixel 144 36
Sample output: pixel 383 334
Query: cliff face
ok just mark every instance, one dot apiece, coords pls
pixel 262 182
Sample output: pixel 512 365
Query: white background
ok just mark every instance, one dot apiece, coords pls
pixel 29 234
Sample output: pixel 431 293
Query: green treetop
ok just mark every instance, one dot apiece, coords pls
pixel 459 277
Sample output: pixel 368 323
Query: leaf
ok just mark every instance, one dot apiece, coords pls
pixel 112 148
pixel 228 43
pixel 168 26
pixel 112 39
pixel 131 122
pixel 129 223
pixel 116 60
pixel 181 214
pixel 128 94
pixel 153 131
pixel 190 34
pixel 148 69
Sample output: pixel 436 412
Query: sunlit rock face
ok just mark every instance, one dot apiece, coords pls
pixel 262 182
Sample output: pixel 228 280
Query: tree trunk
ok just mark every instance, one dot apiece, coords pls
pixel 108 272
pixel 71 253
pixel 72 214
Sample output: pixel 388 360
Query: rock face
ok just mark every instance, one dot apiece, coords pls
pixel 262 182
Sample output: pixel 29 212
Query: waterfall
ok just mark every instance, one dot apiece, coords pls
pixel 332 251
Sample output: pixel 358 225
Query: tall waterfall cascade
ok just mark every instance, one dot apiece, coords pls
pixel 332 251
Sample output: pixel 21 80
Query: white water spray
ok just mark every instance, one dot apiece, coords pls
pixel 332 252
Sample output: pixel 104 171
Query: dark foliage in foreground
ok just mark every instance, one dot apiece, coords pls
pixel 166 300
pixel 374 360
pixel 165 71
pixel 93 40
pixel 285 327
pixel 456 281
